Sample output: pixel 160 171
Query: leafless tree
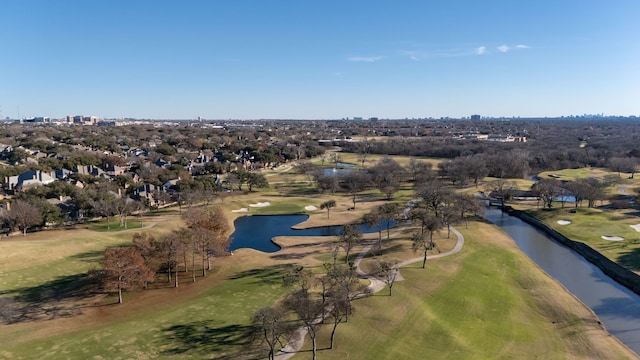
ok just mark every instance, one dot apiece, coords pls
pixel 432 194
pixel 389 213
pixel 449 213
pixel 104 205
pixel 123 207
pixel 374 220
pixel 24 215
pixel 345 285
pixel 271 325
pixel 624 164
pixel 431 224
pixel 546 189
pixel 501 189
pixel 466 204
pixel 171 246
pixel 146 245
pixel 207 231
pixel 308 309
pixel 421 171
pixel 351 235
pixel 354 183
pixel 387 176
pixel 388 271
pixel 340 309
pixel 125 269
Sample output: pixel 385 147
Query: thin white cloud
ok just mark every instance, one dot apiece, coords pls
pixel 522 46
pixel 369 59
pixel 481 50
pixel 420 55
pixel 503 48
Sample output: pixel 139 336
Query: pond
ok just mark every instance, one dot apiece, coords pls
pixel 339 169
pixel 344 164
pixel 257 231
pixel 336 172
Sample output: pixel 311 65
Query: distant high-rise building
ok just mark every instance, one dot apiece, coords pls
pixel 475 117
pixel 82 120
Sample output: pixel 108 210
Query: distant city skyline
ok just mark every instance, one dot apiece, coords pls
pixel 251 59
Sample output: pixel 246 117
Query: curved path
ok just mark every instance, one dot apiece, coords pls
pixel 297 340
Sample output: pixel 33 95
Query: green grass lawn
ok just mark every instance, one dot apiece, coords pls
pixel 580 173
pixel 483 303
pixel 36 263
pixel 589 225
pixel 113 225
pixel 213 323
pixel 487 301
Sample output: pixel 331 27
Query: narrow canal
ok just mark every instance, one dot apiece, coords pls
pixel 617 307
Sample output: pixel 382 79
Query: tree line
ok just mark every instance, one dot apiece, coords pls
pixel 186 252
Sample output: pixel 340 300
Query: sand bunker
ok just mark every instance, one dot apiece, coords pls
pixel 240 210
pixel 260 204
pixel 311 208
pixel 612 238
pixel 636 227
pixel 564 222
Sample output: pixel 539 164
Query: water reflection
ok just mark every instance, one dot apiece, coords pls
pixel 256 231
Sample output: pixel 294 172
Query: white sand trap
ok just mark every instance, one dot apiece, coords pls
pixel 612 238
pixel 240 210
pixel 636 227
pixel 312 208
pixel 260 204
pixel 564 222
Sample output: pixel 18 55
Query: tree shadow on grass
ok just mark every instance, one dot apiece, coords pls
pixel 293 256
pixel 374 252
pixel 630 259
pixel 63 296
pixel 270 275
pixel 90 256
pixel 206 339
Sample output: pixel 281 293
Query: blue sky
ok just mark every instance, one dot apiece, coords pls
pixel 298 59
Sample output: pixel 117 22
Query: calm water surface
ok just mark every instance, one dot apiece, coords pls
pixel 617 307
pixel 256 231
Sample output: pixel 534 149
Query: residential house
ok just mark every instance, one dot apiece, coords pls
pixel 27 179
pixel 114 170
pixel 88 170
pixel 151 194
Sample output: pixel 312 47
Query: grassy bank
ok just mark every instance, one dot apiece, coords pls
pixel 489 301
pixel 589 225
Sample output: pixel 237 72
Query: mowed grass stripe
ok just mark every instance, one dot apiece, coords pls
pixel 211 324
pixel 488 301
